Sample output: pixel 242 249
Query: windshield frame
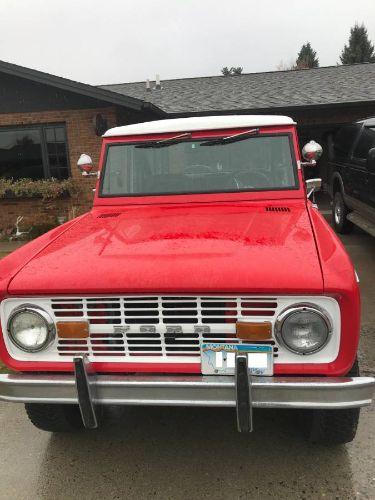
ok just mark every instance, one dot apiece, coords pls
pixel 201 137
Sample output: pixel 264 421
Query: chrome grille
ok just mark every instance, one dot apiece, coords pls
pixel 157 326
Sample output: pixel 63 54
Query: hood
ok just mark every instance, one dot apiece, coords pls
pixel 249 247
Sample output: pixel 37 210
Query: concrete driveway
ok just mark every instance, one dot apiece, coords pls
pixel 195 453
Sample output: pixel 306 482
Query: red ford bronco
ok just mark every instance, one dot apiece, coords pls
pixel 202 276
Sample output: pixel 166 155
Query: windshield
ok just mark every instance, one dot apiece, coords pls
pixel 202 166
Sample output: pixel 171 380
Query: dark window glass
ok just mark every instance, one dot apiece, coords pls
pixel 343 141
pixel 365 143
pixel 56 150
pixel 35 152
pixel 257 163
pixel 21 154
pixel 60 134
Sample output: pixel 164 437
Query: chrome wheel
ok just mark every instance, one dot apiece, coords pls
pixel 338 213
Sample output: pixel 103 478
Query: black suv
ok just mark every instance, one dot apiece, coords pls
pixel 352 169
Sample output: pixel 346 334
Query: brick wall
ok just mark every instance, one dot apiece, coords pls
pixel 81 138
pixel 35 211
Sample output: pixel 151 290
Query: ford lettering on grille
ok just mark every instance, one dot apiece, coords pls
pixel 157 326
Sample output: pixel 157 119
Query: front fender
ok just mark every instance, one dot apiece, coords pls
pixel 340 282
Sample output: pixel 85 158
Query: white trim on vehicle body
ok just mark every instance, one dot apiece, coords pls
pixel 199 123
pixel 326 355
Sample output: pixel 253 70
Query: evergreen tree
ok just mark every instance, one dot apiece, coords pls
pixel 233 71
pixel 307 57
pixel 225 71
pixel 236 71
pixel 359 48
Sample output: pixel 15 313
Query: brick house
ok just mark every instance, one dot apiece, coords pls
pixel 46 122
pixel 62 118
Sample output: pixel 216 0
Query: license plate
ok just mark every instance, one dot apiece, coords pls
pixel 220 359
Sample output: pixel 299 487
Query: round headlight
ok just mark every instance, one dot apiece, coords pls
pixel 31 328
pixel 303 329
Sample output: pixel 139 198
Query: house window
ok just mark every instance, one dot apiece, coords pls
pixel 37 152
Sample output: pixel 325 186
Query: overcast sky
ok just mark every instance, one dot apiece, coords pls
pixel 112 41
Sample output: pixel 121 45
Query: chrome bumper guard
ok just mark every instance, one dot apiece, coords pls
pixel 242 391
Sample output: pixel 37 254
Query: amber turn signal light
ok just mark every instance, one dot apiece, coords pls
pixel 72 329
pixel 254 331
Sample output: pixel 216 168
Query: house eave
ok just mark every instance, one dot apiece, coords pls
pixel 78 88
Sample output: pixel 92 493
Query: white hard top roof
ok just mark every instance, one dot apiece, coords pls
pixel 199 123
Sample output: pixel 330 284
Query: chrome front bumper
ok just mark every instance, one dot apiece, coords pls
pixel 89 390
pixel 194 390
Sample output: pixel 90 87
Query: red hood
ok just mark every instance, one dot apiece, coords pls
pixel 223 247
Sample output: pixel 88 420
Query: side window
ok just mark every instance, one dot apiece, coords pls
pixel 343 141
pixel 365 143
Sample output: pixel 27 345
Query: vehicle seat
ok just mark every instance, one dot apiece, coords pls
pixel 246 179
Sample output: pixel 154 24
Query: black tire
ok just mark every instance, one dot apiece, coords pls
pixel 334 427
pixel 339 215
pixel 54 417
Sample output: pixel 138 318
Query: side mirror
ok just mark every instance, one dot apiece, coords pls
pixel 313 185
pixel 85 164
pixel 371 160
pixel 311 152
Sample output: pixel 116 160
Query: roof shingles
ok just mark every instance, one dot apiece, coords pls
pixel 278 89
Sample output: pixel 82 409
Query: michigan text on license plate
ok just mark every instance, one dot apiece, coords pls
pixel 220 359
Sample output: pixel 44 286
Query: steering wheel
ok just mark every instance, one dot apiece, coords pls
pixel 199 169
pixel 256 179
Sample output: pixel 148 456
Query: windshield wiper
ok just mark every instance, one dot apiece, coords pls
pixel 165 142
pixel 232 138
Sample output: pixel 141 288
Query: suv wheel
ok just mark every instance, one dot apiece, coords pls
pixel 339 213
pixel 334 427
pixel 54 417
